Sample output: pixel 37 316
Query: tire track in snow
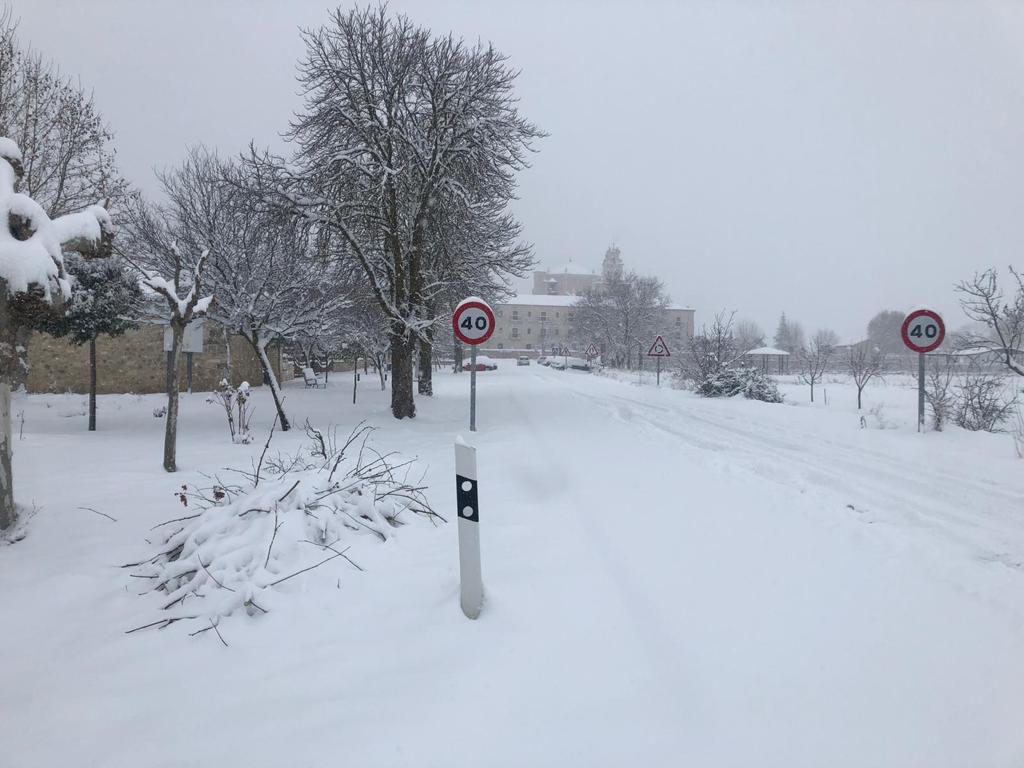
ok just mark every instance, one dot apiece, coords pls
pixel 879 486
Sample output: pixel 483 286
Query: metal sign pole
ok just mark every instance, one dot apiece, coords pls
pixel 920 391
pixel 471 587
pixel 472 390
pixel 659 371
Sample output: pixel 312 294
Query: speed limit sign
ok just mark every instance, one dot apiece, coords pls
pixel 473 321
pixel 923 330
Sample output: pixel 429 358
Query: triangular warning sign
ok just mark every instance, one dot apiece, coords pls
pixel 659 348
pixel 592 351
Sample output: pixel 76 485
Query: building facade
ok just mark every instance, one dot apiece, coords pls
pixel 570 280
pixel 538 323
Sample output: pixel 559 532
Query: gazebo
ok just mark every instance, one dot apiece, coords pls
pixel 763 354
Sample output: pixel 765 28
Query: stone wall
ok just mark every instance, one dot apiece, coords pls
pixel 136 362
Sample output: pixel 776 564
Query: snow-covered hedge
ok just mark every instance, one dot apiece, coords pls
pixel 236 543
pixel 749 382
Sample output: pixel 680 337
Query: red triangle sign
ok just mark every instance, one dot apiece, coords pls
pixel 659 348
pixel 592 351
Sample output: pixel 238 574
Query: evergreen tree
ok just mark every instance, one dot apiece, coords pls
pixel 783 337
pixel 105 300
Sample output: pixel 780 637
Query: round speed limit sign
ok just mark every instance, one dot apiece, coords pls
pixel 473 321
pixel 923 330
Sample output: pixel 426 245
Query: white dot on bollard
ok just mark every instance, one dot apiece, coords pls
pixel 467 511
pixel 467 486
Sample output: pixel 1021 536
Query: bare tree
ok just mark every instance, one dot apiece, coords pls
pixel 865 362
pixel 184 305
pixel 748 336
pixel 68 157
pixel 399 129
pixel 625 313
pixel 984 301
pixel 270 283
pixel 176 276
pixel 815 357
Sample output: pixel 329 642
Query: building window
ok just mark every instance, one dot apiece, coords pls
pixel 569 315
pixel 529 346
pixel 679 320
pixel 529 314
pixel 558 314
pixel 543 315
pixel 556 333
pixel 515 333
pixel 529 331
pixel 515 314
pixel 501 346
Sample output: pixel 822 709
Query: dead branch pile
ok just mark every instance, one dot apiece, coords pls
pixel 239 542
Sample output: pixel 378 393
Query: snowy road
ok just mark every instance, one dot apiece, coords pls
pixel 670 581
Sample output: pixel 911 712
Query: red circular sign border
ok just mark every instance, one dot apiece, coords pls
pixel 473 305
pixel 911 318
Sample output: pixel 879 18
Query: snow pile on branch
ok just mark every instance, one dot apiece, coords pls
pixel 749 382
pixel 31 243
pixel 240 543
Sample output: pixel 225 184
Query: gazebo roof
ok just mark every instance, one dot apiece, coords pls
pixel 768 351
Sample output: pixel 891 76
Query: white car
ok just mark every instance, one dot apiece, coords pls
pixel 523 360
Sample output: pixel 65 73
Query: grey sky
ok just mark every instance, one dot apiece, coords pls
pixel 826 159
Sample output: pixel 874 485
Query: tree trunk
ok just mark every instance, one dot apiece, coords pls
pixel 402 403
pixel 8 513
pixel 92 384
pixel 426 350
pixel 230 374
pixel 859 390
pixel 457 354
pixel 171 427
pixel 812 390
pixel 260 347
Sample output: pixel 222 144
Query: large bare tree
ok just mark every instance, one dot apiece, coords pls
pixel 399 129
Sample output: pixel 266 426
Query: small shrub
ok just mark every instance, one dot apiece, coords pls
pixel 981 404
pixel 749 382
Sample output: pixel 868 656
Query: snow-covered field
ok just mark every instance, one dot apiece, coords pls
pixel 670 581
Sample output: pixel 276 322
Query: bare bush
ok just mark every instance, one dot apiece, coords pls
pixel 981 404
pixel 710 351
pixel 938 393
pixel 235 402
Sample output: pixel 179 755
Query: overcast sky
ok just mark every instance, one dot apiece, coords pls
pixel 826 159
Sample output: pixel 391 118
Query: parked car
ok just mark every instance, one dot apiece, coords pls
pixel 483 363
pixel 523 360
pixel 542 360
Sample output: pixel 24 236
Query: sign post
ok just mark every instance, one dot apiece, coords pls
pixel 922 332
pixel 471 586
pixel 592 352
pixel 658 350
pixel 473 323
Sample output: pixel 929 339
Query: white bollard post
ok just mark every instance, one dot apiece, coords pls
pixel 471 593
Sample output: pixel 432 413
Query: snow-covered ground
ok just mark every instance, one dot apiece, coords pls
pixel 669 580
